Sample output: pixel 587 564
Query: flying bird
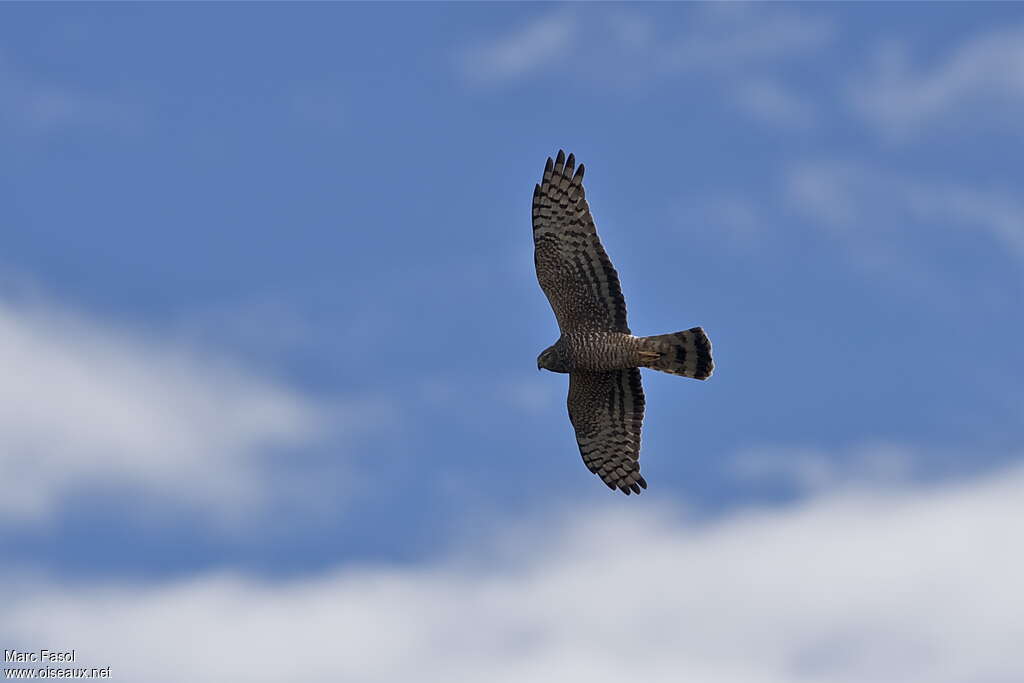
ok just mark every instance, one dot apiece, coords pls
pixel 596 348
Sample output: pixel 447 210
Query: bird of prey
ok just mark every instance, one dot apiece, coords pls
pixel 597 350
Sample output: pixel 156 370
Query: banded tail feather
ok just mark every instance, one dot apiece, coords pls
pixel 686 353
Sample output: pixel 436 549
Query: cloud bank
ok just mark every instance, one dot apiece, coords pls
pixel 88 407
pixel 910 584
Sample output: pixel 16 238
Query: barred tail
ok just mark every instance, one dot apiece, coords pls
pixel 686 353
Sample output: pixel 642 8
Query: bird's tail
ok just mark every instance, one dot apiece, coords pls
pixel 686 353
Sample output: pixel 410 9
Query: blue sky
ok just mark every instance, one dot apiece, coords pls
pixel 269 321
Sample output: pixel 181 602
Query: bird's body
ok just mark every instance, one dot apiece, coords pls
pixel 594 350
pixel 596 347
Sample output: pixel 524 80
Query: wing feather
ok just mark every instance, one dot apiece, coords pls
pixel 572 267
pixel 607 412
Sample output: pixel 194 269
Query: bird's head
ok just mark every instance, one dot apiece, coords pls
pixel 553 358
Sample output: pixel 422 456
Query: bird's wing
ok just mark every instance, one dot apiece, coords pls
pixel 572 267
pixel 607 410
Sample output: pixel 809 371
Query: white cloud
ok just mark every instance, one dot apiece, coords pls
pixel 747 35
pixel 825 191
pixel 986 69
pixel 998 214
pixel 624 46
pixel 909 584
pixel 547 38
pixel 863 205
pixel 774 103
pixel 85 406
pixel 813 471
